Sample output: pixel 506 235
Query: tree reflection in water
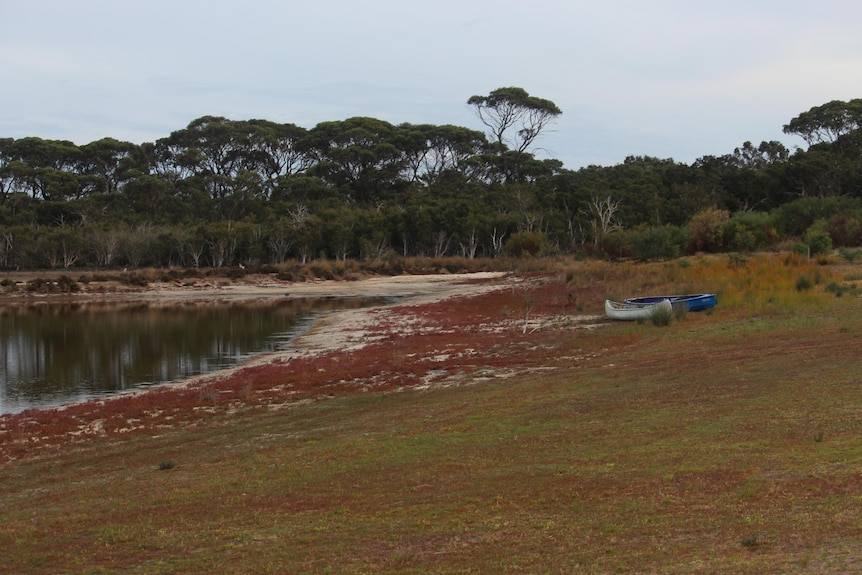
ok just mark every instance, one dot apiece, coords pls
pixel 51 354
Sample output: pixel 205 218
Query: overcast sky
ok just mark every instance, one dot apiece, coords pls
pixel 672 79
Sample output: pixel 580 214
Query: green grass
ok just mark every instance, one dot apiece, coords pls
pixel 714 445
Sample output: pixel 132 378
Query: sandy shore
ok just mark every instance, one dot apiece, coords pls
pixel 345 329
pixel 253 287
pixel 436 286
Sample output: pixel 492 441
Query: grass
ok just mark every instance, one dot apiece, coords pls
pixel 724 443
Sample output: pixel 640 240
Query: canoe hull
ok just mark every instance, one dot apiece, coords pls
pixel 694 302
pixel 636 311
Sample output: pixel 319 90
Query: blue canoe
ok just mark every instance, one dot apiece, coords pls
pixel 694 302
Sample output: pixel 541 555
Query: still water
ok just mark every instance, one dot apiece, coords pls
pixel 56 354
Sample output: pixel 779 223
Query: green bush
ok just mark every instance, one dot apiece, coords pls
pixel 820 243
pixel 616 245
pixel 850 255
pixel 818 239
pixel 665 242
pixel 741 239
pixel 749 231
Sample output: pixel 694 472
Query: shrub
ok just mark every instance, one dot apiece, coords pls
pixel 845 230
pixel 525 244
pixel 63 284
pixel 235 273
pixel 658 243
pixel 801 248
pixel 137 279
pixel 616 245
pixel 706 229
pixel 818 240
pixel 849 255
pixel 741 239
pixel 835 288
pixel 67 284
pixel 736 261
pixel 748 231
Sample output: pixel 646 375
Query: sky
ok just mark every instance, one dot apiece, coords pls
pixel 664 78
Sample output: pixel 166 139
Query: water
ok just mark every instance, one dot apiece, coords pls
pixel 56 354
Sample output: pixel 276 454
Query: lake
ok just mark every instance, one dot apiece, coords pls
pixel 53 354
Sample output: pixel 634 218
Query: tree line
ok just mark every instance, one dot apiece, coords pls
pixel 224 192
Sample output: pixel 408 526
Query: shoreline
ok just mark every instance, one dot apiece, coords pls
pixel 341 330
pixel 255 286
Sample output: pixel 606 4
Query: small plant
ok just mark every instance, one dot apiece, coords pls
pixel 662 317
pixel 850 254
pixel 67 284
pixel 804 283
pixel 165 465
pixel 819 243
pixel 736 260
pixel 136 279
pixel 751 542
pixel 236 273
pixel 836 288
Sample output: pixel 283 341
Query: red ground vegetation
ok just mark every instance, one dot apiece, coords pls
pixel 406 346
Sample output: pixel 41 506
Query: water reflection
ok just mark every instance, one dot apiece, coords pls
pixel 55 354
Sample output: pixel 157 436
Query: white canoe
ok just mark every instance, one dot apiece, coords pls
pixel 636 311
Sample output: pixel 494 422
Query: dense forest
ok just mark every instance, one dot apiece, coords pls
pixel 223 192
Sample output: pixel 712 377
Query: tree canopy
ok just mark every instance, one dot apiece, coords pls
pixel 221 192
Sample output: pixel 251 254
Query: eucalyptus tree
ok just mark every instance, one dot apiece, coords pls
pixel 828 122
pixel 764 155
pixel 153 198
pixel 514 120
pixel 211 142
pixel 750 177
pixel 111 162
pixel 7 174
pixel 276 151
pixel 358 157
pixel 818 172
pixel 44 169
pixel 434 154
pixel 212 149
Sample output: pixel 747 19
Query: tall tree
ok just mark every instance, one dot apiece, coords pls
pixel 433 152
pixel 110 161
pixel 828 122
pixel 508 109
pixel 276 150
pixel 358 156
